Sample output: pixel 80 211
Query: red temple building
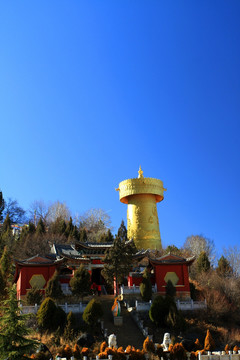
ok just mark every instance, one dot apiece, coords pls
pixel 37 270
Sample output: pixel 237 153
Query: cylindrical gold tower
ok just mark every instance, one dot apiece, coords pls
pixel 142 194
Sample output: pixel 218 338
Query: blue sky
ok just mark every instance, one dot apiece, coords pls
pixel 90 90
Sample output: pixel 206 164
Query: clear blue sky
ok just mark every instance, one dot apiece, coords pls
pixel 89 90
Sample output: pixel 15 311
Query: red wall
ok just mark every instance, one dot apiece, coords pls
pixel 27 272
pixel 182 272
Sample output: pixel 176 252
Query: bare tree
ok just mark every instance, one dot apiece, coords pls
pixel 232 254
pixel 196 244
pixel 38 210
pixel 15 211
pixel 96 222
pixel 58 210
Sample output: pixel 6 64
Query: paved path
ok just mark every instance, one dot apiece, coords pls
pixel 128 333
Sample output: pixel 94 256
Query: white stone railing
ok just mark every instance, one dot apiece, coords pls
pixel 217 355
pixel 220 355
pixel 75 308
pixel 181 305
pixel 191 305
pixel 127 290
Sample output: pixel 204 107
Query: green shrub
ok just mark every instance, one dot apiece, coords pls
pixel 70 326
pixel 34 296
pixel 92 313
pixel 164 312
pixel 49 316
pixel 53 288
pixel 146 286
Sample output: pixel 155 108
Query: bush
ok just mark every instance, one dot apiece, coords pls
pixel 34 296
pixel 70 326
pixel 146 286
pixel 178 352
pixel 92 313
pixel 170 289
pixel 164 312
pixel 53 288
pixel 49 316
pixel 148 345
pixel 209 344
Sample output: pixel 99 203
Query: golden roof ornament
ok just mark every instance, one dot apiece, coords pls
pixel 140 172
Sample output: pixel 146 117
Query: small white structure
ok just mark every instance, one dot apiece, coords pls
pixel 112 340
pixel 166 341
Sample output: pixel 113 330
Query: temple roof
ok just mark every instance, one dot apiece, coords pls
pixel 81 250
pixel 171 259
pixel 38 260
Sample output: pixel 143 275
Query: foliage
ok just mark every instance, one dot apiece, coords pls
pixel 203 263
pixel 14 343
pixel 148 345
pixel 170 289
pixel 53 288
pixel 224 269
pixel 81 282
pixel 56 211
pixel 70 326
pixel 49 316
pixel 146 286
pixel 2 205
pixel 178 352
pixel 40 227
pixel 6 262
pixel 159 351
pixel 122 232
pixel 92 313
pixel 118 261
pixel 106 237
pixel 15 212
pixel 96 222
pixel 103 346
pixel 172 249
pixel 196 244
pixel 164 312
pixel 77 352
pixel 34 296
pixel 209 344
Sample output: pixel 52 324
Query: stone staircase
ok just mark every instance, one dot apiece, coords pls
pixel 128 333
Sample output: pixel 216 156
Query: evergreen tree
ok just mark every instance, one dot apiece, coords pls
pixel 118 262
pixel 80 283
pixel 122 232
pixel 49 316
pixel 6 224
pixel 2 285
pixel 40 230
pixel 58 226
pixel 31 228
pixel 106 237
pixel 83 235
pixel 70 326
pixel 203 264
pixel 170 289
pixel 34 296
pixel 53 288
pixel 146 286
pixel 14 344
pixel 92 313
pixel 224 269
pixel 75 233
pixel 6 262
pixel 69 228
pixel 2 204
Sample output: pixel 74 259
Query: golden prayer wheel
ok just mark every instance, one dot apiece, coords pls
pixel 141 195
